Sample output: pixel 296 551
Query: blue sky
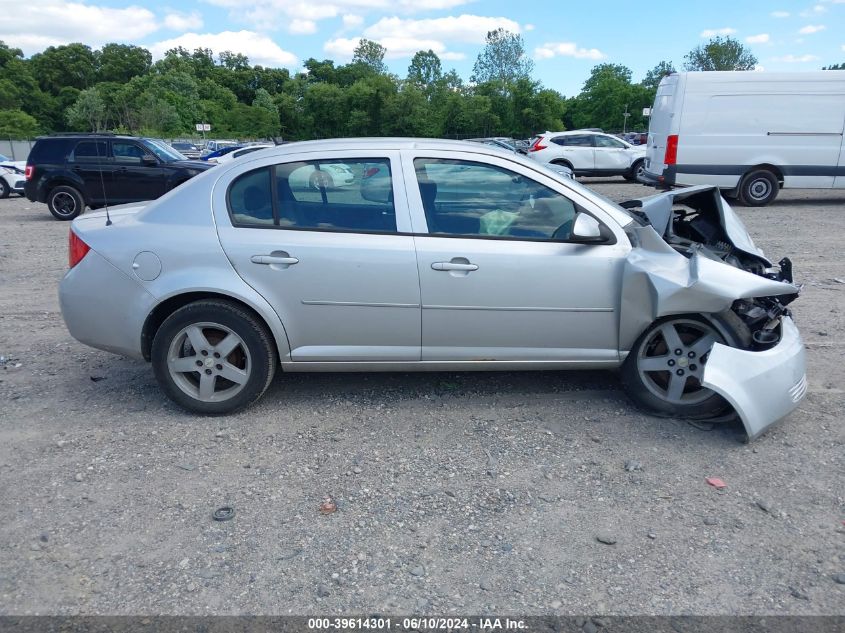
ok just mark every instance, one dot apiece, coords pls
pixel 566 38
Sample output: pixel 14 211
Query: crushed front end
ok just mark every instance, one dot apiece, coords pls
pixel 693 254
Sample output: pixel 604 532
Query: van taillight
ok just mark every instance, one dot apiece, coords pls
pixel 671 157
pixel 27 172
pixel 537 145
pixel 76 249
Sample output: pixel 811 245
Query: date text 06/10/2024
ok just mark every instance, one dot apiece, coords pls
pixel 415 624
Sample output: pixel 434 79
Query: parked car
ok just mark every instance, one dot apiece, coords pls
pixel 11 176
pixel 589 153
pixel 188 150
pixel 216 155
pixel 216 145
pixel 513 146
pixel 223 281
pixel 751 134
pixel 227 153
pixel 72 171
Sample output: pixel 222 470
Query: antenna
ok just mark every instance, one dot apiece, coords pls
pixel 102 180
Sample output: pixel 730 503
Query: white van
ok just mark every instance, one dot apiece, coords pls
pixel 749 133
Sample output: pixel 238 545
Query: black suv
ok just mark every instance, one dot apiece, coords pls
pixel 72 171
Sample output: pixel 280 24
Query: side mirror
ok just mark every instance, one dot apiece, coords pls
pixel 587 230
pixel 149 160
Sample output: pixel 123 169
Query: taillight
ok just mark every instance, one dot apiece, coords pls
pixel 28 171
pixel 537 145
pixel 76 249
pixel 671 156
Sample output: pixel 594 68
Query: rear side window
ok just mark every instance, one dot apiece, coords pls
pixel 52 150
pixel 89 151
pixel 355 195
pixel 580 140
pixel 250 199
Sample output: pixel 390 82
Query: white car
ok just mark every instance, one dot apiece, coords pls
pixel 589 153
pixel 11 176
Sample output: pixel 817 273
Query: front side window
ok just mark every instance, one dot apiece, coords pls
pixel 127 153
pixel 354 195
pixel 472 199
pixel 90 151
pixel 606 141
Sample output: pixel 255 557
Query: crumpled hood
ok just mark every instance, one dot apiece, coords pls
pixel 706 198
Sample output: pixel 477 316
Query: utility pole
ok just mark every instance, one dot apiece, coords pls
pixel 625 114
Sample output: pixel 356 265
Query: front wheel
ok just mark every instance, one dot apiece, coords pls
pixel 637 171
pixel 65 203
pixel 213 357
pixel 4 189
pixel 664 369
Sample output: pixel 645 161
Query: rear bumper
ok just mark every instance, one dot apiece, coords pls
pixel 103 307
pixel 763 387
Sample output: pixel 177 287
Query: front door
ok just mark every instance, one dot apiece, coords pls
pixel 138 174
pixel 330 257
pixel 498 279
pixel 611 155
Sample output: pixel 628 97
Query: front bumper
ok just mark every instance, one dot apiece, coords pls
pixel 763 387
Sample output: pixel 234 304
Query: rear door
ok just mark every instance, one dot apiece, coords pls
pixel 337 264
pixel 839 181
pixel 90 161
pixel 578 150
pixel 666 108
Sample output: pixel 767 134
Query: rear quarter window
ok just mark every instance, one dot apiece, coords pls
pixel 52 150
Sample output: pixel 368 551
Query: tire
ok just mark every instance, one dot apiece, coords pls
pixel 321 180
pixel 656 390
pixel 220 384
pixel 5 189
pixel 65 203
pixel 637 169
pixel 758 188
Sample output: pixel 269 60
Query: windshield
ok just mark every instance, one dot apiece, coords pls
pixel 162 150
pixel 181 146
pixel 4 158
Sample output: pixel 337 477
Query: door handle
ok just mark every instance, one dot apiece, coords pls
pixel 279 260
pixel 454 266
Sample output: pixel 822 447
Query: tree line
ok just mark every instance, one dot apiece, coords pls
pixel 120 88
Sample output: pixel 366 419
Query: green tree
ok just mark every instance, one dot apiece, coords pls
pixel 121 62
pixel 264 101
pixel 425 70
pixel 233 61
pixel 720 53
pixel 503 60
pixel 834 67
pixel 72 65
pixel 17 124
pixel 653 76
pixel 88 113
pixel 606 94
pixel 370 54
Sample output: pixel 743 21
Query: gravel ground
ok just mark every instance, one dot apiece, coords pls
pixel 455 493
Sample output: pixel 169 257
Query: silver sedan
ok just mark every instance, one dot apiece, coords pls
pixel 460 257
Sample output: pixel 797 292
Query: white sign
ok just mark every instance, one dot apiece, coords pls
pixel 646 111
pixel 203 127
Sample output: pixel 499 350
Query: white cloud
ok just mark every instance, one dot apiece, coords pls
pixel 529 27
pixel 759 68
pixel 342 47
pixel 264 14
pixel 35 25
pixel 811 28
pixel 762 38
pixel 796 59
pixel 814 11
pixel 714 32
pixel 351 21
pixel 302 27
pixel 259 48
pixel 779 14
pixel 183 21
pixel 566 49
pixel 463 28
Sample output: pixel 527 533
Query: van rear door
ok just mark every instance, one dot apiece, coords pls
pixel 663 122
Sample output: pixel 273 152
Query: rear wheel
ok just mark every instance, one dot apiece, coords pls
pixel 65 203
pixel 664 369
pixel 213 357
pixel 758 188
